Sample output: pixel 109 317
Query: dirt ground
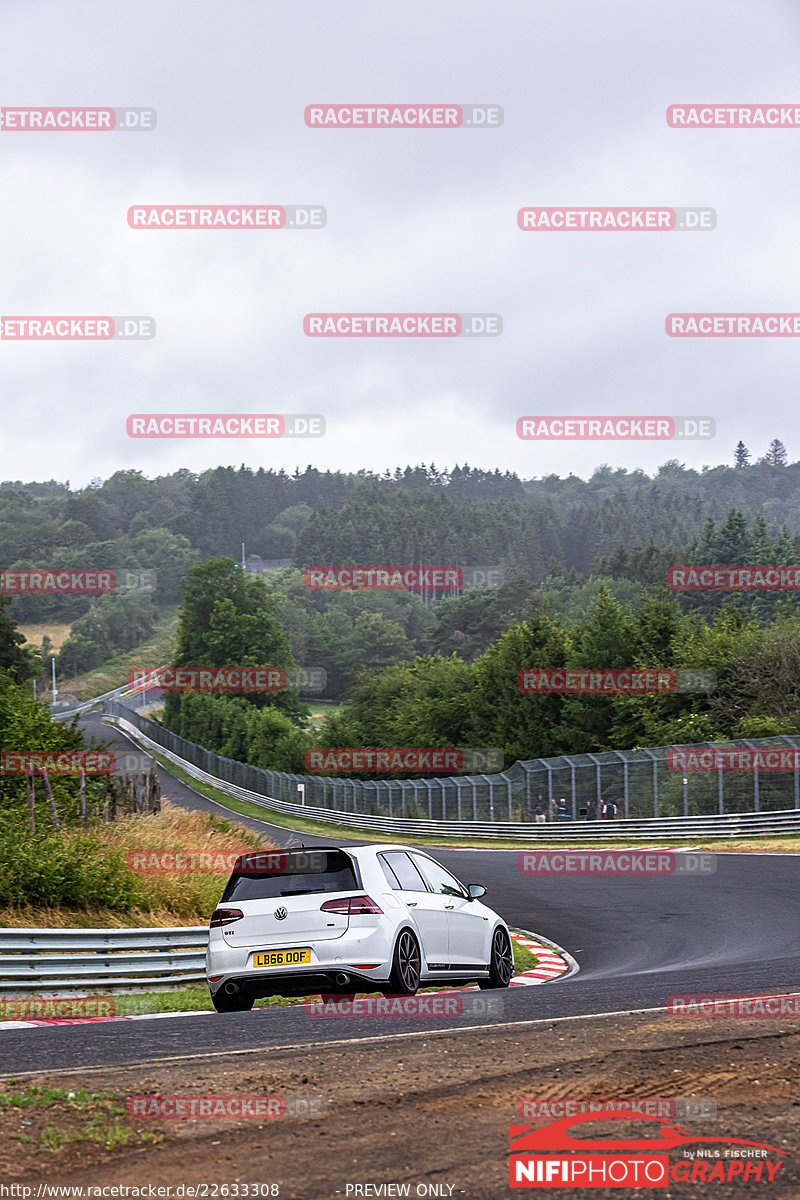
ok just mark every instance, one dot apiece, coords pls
pixel 420 1110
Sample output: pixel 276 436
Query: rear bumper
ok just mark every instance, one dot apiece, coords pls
pixel 298 982
pixel 329 958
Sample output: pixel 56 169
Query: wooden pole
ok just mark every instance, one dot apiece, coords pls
pixel 84 822
pixel 51 804
pixel 30 788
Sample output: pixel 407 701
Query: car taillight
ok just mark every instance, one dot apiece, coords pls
pixel 353 906
pixel 225 916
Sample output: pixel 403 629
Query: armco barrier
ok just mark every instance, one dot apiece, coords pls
pixel 726 825
pixel 68 959
pixel 118 693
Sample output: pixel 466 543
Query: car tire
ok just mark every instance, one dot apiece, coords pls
pixel 228 1004
pixel 501 964
pixel 404 978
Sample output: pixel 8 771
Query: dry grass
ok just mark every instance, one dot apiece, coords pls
pixel 58 634
pixel 181 898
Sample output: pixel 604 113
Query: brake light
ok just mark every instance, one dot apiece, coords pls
pixel 352 906
pixel 225 916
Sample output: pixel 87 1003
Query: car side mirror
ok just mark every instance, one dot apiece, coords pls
pixel 476 890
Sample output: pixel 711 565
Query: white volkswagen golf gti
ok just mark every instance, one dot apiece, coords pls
pixel 357 919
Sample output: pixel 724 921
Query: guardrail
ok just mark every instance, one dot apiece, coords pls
pixel 727 825
pixel 58 960
pixel 117 693
pixel 114 694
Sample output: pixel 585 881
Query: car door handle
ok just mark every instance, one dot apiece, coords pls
pixel 449 905
pixel 411 903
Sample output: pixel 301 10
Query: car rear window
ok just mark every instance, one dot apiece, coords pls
pixel 267 876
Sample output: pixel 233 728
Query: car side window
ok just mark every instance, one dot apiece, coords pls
pixel 440 880
pixel 403 868
pixel 391 878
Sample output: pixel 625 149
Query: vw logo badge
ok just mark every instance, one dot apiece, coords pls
pixel 281 914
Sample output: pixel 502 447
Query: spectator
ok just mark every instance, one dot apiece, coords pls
pixel 539 814
pixel 562 814
pixel 591 810
pixel 608 811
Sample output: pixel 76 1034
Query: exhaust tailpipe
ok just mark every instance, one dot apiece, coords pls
pixel 231 988
pixel 342 980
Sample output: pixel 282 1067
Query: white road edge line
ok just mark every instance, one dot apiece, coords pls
pixel 354 1041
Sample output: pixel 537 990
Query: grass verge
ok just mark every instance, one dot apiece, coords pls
pixel 46 1120
pixel 161 899
pixel 157 650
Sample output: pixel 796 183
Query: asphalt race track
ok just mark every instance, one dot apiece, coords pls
pixel 637 940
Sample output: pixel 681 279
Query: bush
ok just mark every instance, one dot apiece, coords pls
pixel 63 870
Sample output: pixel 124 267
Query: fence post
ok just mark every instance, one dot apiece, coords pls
pixel 30 788
pixel 650 754
pixel 51 804
pixel 756 781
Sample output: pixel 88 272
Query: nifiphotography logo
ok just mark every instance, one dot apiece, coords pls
pixel 550 1156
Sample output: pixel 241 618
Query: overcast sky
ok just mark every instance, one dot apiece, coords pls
pixel 418 221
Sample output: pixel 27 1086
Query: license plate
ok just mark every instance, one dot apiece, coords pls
pixel 281 958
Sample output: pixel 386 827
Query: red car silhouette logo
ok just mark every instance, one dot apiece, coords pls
pixel 556 1137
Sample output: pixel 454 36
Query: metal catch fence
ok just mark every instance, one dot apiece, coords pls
pixel 643 784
